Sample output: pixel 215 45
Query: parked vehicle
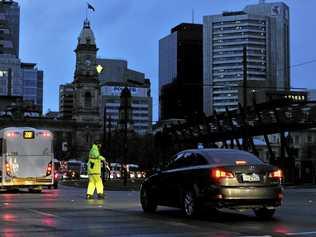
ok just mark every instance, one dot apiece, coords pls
pixel 216 178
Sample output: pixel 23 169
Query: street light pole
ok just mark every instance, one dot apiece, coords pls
pixel 245 75
pixel 104 128
pixel 110 137
pixel 245 78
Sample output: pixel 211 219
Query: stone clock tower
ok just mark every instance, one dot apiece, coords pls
pixel 86 84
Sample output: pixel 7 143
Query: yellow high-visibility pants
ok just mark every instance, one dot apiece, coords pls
pixel 95 182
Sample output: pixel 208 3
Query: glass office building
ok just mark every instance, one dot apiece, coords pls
pixel 263 29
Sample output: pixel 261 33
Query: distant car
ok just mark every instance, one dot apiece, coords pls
pixel 57 175
pixel 216 178
pixel 115 170
pixel 84 171
pixel 133 171
pixel 74 169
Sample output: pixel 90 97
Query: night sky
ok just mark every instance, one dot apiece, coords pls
pixel 131 29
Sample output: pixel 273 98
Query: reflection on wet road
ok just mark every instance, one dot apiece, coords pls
pixel 65 212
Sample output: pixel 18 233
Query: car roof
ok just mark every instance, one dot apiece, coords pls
pixel 207 151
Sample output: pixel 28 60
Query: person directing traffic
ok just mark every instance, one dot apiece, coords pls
pixel 94 173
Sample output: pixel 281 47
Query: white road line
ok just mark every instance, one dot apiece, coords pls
pixel 301 233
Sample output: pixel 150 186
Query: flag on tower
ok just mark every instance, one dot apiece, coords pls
pixel 90 7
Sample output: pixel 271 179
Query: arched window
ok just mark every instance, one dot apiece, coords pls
pixel 87 99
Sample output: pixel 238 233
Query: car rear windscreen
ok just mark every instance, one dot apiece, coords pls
pixel 231 157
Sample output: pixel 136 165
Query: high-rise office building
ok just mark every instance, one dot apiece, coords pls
pixel 66 100
pixel 21 79
pixel 17 78
pixel 32 79
pixel 181 72
pixel 10 26
pixel 114 77
pixel 263 29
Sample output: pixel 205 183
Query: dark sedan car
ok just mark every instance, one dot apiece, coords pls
pixel 216 178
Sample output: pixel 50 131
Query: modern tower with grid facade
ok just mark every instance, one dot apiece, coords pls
pixel 263 29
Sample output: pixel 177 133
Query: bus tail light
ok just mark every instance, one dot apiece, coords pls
pixel 45 134
pixel 12 134
pixel 49 169
pixel 7 168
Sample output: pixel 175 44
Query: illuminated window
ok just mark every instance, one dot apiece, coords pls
pixel 3 73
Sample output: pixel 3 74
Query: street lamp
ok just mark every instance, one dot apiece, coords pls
pixel 104 128
pixel 125 118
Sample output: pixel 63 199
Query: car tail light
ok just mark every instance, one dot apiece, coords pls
pixel 49 169
pixel 276 174
pixel 56 176
pixel 220 173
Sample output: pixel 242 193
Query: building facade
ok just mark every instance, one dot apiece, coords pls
pixel 114 77
pixel 181 72
pixel 263 30
pixel 66 100
pixel 311 95
pixel 10 27
pixel 32 79
pixel 17 78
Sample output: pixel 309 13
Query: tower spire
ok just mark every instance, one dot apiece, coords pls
pixel 262 1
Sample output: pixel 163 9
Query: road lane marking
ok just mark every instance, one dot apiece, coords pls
pixel 41 213
pixel 301 233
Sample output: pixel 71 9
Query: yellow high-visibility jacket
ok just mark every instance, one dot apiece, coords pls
pixel 94 163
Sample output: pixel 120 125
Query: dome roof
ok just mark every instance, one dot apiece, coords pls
pixel 86 34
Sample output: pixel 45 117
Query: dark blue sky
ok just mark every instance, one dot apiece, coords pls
pixel 131 29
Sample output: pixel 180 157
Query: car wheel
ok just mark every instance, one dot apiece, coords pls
pixel 49 186
pixel 264 213
pixel 189 204
pixel 149 204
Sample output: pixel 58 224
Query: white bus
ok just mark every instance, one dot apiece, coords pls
pixel 26 158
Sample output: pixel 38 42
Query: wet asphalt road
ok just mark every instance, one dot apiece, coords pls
pixel 65 212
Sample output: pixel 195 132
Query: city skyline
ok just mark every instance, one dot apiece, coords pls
pixel 136 40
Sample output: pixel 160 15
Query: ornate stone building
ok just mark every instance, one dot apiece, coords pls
pixel 86 91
